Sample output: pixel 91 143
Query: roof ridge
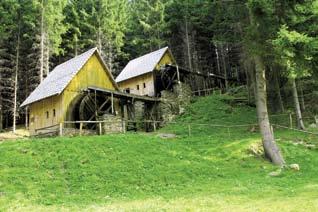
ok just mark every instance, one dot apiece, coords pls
pixel 76 57
pixel 149 54
pixel 62 74
pixel 148 61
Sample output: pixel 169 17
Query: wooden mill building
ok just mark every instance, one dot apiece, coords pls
pixel 62 95
pixel 140 76
pixel 82 91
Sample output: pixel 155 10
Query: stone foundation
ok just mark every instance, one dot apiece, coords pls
pixel 112 124
pixel 174 102
pixel 76 132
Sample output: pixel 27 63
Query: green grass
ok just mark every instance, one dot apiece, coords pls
pixel 210 170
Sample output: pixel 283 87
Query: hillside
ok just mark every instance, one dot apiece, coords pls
pixel 211 169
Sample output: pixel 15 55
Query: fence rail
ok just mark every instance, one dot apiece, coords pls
pixel 155 124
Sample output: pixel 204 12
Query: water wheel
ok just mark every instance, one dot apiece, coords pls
pixel 92 106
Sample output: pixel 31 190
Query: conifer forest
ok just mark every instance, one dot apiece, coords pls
pixel 244 40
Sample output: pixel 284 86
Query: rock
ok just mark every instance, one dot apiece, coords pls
pixel 167 135
pixel 275 173
pixel 256 149
pixel 310 146
pixel 294 167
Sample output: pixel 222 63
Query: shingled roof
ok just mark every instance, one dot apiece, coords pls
pixel 141 65
pixel 61 76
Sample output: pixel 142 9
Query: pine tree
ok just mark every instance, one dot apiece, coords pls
pixel 296 46
pixel 103 24
pixel 49 28
pixel 147 26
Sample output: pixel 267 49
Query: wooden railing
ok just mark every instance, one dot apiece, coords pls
pixel 47 130
pixel 204 92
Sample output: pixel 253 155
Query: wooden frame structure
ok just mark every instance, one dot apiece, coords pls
pixel 127 105
pixel 168 75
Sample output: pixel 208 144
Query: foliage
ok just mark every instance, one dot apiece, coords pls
pixel 296 51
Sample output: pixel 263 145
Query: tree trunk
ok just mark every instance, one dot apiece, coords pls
pixel 99 40
pixel 270 147
pixel 218 62
pixel 16 82
pixel 1 121
pixel 188 44
pixel 47 58
pixel 279 95
pixel 302 99
pixel 42 43
pixel 249 96
pixel 300 123
pixel 225 73
pixel 1 115
pixel 76 48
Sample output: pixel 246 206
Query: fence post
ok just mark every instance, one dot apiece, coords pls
pixel 290 120
pixel 100 127
pixel 154 126
pixel 272 129
pixel 81 128
pixel 189 130
pixel 61 129
pixel 123 125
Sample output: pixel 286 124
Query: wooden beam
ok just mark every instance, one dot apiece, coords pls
pixel 122 95
pixel 99 109
pixel 61 129
pixel 100 128
pixel 112 98
pixel 81 128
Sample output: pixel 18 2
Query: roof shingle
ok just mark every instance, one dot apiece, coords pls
pixel 141 65
pixel 59 78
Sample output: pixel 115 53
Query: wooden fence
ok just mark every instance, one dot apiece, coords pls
pixel 59 128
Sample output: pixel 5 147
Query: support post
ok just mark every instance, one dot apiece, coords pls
pixel 124 125
pixel 100 128
pixel 26 118
pixel 81 128
pixel 61 129
pixel 154 126
pixel 112 103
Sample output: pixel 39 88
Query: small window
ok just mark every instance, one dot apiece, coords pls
pixel 144 85
pixel 54 113
pixel 47 114
pixel 32 120
pixel 127 90
pixel 137 87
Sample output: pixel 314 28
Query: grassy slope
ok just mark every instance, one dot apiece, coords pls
pixel 212 169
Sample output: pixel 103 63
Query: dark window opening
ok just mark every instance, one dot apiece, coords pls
pixel 127 90
pixel 144 85
pixel 54 113
pixel 137 87
pixel 47 114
